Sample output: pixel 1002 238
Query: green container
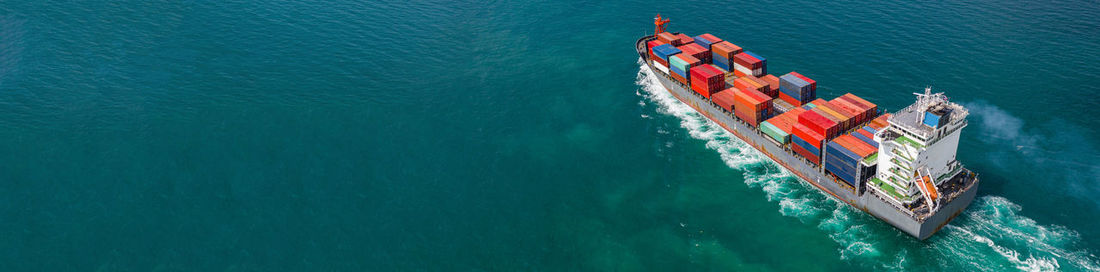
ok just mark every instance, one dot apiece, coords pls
pixel 777 134
pixel 675 61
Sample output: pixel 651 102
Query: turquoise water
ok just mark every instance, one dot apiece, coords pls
pixel 505 136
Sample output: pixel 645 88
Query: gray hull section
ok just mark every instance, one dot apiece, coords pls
pixel 867 202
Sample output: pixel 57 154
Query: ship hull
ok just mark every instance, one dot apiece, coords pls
pixel 867 201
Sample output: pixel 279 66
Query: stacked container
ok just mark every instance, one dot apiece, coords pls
pixel 667 38
pixel 773 85
pixel 867 135
pixel 867 109
pixel 724 99
pixel 843 118
pixel 781 106
pixel 806 142
pixel 684 39
pixel 751 106
pixel 781 126
pixel 748 63
pixel 696 51
pixel 795 90
pixel 842 157
pixel 706 40
pixel 680 64
pixel 819 123
pixel 722 54
pixel 751 83
pixel 706 79
pixel 662 52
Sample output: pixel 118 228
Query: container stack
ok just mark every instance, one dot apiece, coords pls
pixel 751 106
pixel 724 99
pixel 748 63
pixel 662 52
pixel 706 79
pixel 806 142
pixel 752 83
pixel 773 85
pixel 817 121
pixel 867 135
pixel 795 89
pixel 696 51
pixel 842 157
pixel 722 54
pixel 781 106
pixel 780 127
pixel 706 40
pixel 843 117
pixel 684 39
pixel 668 38
pixel 868 110
pixel 680 64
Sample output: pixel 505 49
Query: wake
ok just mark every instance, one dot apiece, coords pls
pixel 989 236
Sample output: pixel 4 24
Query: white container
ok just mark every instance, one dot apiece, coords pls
pixel 660 67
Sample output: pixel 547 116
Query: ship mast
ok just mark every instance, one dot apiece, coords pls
pixel 660 24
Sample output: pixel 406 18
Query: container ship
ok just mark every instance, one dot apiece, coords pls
pixel 898 167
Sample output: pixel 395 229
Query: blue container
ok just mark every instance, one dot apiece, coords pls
pixel 720 61
pixel 870 129
pixel 795 87
pixel 850 179
pixel 665 50
pixel 839 167
pixel 836 150
pixel 805 145
pixel 677 70
pixel 865 139
pixel 763 61
pixel 704 42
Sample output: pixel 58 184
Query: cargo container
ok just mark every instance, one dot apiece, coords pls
pixel 651 44
pixel 660 67
pixel 684 39
pixel 813 84
pixel 781 106
pixel 696 51
pixel 818 123
pixel 664 51
pixel 706 79
pixel 722 54
pixel 746 64
pixel 667 38
pixel 773 85
pixel 751 106
pixel 724 99
pixel 681 63
pixel 843 120
pixel 706 40
pixel 796 89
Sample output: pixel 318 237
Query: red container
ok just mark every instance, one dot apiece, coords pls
pixel 724 99
pixel 773 82
pixel 816 160
pixel 711 38
pixel 818 123
pixel 653 43
pixel 866 133
pixel 706 79
pixel 696 51
pixel 806 134
pixel 857 113
pixel 747 61
pixel 761 86
pixel 658 60
pixel 684 39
